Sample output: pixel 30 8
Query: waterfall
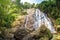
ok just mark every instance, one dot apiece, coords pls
pixel 38 18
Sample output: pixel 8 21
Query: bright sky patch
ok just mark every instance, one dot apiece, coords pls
pixel 32 1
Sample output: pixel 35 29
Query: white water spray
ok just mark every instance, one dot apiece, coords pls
pixel 40 18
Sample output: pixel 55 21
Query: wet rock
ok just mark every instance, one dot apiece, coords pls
pixel 20 33
pixel 41 34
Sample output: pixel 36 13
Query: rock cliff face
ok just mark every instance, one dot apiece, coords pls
pixel 29 20
pixel 36 18
pixel 29 31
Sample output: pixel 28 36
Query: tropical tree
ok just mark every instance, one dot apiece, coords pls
pixel 7 9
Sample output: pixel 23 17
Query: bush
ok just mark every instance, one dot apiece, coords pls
pixel 58 21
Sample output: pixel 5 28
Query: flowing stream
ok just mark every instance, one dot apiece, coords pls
pixel 39 18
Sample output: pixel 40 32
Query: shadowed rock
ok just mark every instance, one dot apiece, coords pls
pixel 40 34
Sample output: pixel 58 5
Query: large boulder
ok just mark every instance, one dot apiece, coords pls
pixel 20 33
pixel 40 34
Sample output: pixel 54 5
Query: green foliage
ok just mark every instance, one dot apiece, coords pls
pixel 58 21
pixel 27 5
pixel 4 2
pixel 9 10
pixel 8 13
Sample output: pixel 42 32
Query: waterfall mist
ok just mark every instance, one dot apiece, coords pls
pixel 35 19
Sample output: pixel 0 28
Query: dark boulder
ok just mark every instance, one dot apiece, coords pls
pixel 40 34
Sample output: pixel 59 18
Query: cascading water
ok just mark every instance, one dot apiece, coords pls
pixel 37 19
